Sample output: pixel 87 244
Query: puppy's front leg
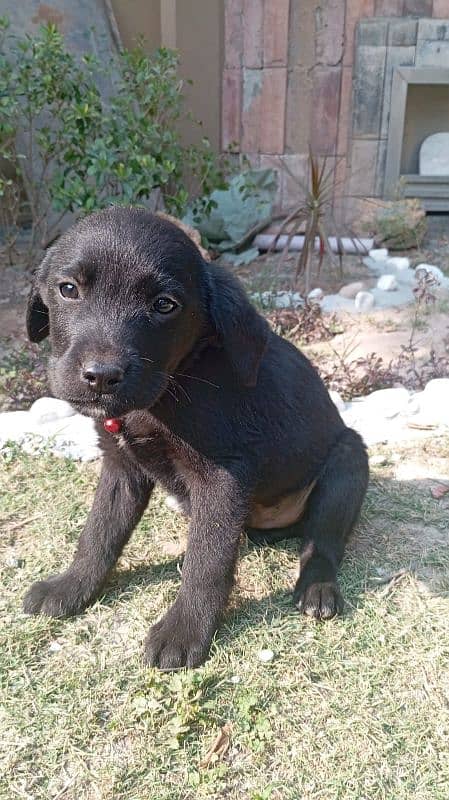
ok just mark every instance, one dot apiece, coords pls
pixel 183 636
pixel 120 500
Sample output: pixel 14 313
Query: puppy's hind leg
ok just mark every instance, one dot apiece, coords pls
pixel 331 513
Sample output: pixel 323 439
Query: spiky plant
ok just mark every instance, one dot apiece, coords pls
pixel 313 213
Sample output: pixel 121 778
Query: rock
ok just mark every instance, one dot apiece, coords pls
pixel 379 254
pixel 438 387
pixel 352 289
pixel 434 402
pixel 388 403
pixel 434 155
pixel 431 270
pixel 297 299
pixel 49 409
pixel 267 299
pixel 398 264
pixel 73 436
pixel 364 301
pixel 387 283
pixel 316 295
pixel 337 400
pixel 282 300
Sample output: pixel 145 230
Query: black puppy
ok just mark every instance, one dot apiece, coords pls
pixel 200 396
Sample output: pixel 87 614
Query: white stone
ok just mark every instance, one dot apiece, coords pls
pixel 387 283
pixel 49 409
pixel 379 254
pixel 267 298
pixel 364 301
pixel 388 402
pixel 55 647
pixel 432 270
pixel 283 300
pixel 74 436
pixel 265 655
pixel 316 295
pixel 352 289
pixel 434 402
pixel 337 400
pixel 235 679
pixel 434 155
pixel 173 503
pixel 297 299
pixel 398 263
pixel 438 387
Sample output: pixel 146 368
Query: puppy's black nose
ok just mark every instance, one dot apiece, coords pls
pixel 102 378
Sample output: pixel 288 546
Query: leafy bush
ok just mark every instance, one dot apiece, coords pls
pixel 397 224
pixel 77 148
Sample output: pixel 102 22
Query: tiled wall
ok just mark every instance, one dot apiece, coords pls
pixel 300 71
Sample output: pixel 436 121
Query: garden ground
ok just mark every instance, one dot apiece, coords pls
pixel 355 709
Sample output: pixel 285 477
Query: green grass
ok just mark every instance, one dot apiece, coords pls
pixel 356 708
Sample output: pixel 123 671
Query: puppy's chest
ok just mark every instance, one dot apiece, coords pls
pixel 159 451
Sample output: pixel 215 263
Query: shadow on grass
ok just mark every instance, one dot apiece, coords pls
pixel 402 531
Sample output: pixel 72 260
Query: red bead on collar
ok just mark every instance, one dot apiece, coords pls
pixel 113 425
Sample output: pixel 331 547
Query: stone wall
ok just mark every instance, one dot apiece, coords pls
pixel 300 71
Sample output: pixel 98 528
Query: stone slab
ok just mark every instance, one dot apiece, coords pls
pixel 434 155
pixel 369 71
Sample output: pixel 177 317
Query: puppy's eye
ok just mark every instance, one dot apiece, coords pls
pixel 69 291
pixel 164 305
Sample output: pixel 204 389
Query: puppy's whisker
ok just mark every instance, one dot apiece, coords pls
pixel 179 386
pixel 195 378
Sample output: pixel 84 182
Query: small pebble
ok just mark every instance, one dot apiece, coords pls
pixel 235 679
pixel 14 562
pixel 265 656
pixel 55 647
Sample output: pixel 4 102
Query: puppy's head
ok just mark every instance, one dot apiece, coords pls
pixel 125 297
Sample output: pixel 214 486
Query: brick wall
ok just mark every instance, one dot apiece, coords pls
pixel 293 75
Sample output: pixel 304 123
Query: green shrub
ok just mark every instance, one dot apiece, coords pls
pixel 77 148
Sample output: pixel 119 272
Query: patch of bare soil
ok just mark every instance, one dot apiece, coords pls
pixel 14 287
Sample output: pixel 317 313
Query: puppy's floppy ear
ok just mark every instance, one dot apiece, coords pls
pixel 241 330
pixel 37 317
pixel 37 320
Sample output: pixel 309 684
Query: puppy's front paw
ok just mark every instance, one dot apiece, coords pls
pixel 178 640
pixel 58 596
pixel 321 600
